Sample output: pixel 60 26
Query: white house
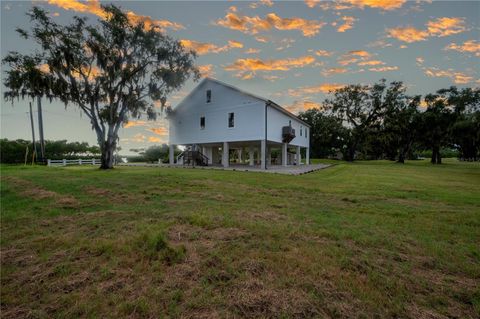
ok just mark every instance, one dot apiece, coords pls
pixel 224 125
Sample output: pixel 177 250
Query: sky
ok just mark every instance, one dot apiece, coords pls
pixel 292 52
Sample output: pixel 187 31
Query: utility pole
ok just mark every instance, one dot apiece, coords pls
pixel 40 127
pixel 33 131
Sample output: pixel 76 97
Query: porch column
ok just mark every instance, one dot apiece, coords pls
pixel 307 156
pixel 263 154
pixel 225 157
pixel 284 154
pixel 171 154
pixel 299 156
pixel 250 155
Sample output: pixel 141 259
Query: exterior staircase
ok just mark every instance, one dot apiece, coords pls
pixel 192 156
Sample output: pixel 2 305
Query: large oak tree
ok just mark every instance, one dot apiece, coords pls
pixel 113 71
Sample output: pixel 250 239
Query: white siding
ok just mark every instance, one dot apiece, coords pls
pixel 249 116
pixel 277 119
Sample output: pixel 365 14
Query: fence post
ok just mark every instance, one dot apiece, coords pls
pixel 49 162
pixel 93 161
pixel 64 162
pixel 79 161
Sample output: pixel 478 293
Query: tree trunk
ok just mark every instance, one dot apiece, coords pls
pixel 401 157
pixel 108 150
pixel 439 157
pixel 434 155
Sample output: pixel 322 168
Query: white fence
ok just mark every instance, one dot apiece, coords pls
pixel 80 161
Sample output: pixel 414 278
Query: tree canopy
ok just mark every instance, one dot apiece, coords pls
pixel 113 71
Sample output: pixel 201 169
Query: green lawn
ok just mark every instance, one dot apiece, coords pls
pixel 369 239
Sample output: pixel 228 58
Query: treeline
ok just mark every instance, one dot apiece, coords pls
pixel 152 154
pixel 13 151
pixel 382 122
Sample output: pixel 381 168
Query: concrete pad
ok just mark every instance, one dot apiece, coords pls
pixel 278 169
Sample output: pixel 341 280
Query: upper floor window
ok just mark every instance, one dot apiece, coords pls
pixel 231 119
pixel 209 96
pixel 289 123
pixel 301 129
pixel 305 132
pixel 202 122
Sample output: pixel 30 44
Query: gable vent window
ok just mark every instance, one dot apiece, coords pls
pixel 209 96
pixel 202 122
pixel 231 119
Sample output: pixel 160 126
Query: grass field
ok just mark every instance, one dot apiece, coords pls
pixel 369 239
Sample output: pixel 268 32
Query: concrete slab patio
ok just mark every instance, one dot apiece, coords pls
pixel 276 169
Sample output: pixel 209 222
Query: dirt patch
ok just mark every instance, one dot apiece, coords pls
pixel 252 298
pixel 28 189
pixel 112 196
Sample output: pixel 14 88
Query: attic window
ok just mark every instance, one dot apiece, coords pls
pixel 209 96
pixel 231 119
pixel 202 122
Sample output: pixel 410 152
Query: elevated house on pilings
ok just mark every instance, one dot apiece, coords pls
pixel 219 124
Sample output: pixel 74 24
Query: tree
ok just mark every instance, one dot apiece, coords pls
pixel 326 133
pixel 436 124
pixel 112 71
pixel 400 125
pixel 466 129
pixel 361 107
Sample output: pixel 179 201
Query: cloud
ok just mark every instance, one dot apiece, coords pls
pixel 384 69
pixel 253 25
pixel 162 131
pixel 285 44
pixel 93 7
pixel 204 48
pixel 316 89
pixel 353 57
pixel 246 68
pixel 371 62
pixel 407 34
pixel 470 46
pixel 139 137
pixel 262 39
pixel 302 105
pixel 457 77
pixel 440 27
pixel 267 3
pixel 353 4
pixel 154 139
pixel 252 51
pixel 135 124
pixel 443 27
pixel 323 53
pixel 206 70
pixel 347 24
pixel 333 71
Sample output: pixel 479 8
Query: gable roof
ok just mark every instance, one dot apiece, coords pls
pixel 267 101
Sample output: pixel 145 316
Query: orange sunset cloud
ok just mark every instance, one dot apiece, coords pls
pixel 202 48
pixel 440 27
pixel 93 7
pixel 253 25
pixel 252 65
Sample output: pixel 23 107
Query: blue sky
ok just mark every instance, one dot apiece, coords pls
pixel 292 52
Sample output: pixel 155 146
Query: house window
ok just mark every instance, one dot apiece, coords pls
pixel 202 122
pixel 289 123
pixel 301 130
pixel 209 96
pixel 305 132
pixel 231 120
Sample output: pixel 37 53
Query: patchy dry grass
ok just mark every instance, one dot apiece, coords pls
pixel 370 239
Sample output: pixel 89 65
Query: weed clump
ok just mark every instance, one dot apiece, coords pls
pixel 154 246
